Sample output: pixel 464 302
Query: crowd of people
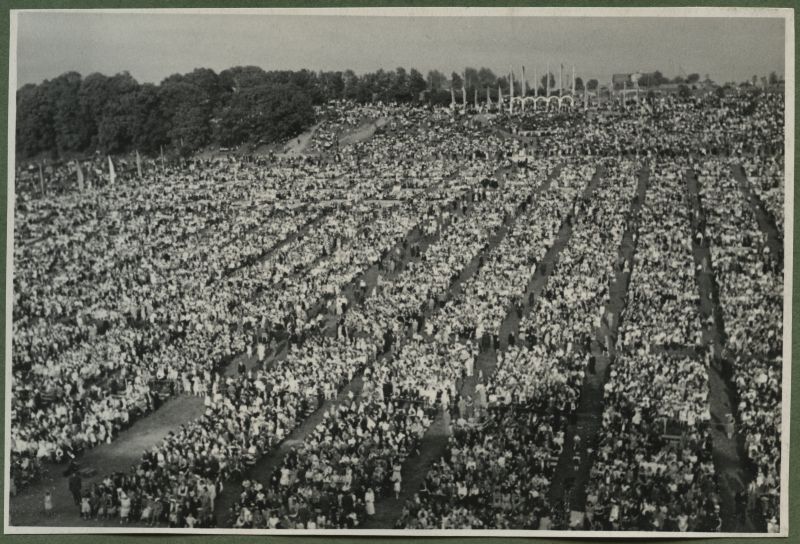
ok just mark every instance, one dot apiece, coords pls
pixel 395 253
pixel 536 385
pixel 404 379
pixel 751 297
pixel 654 469
pixel 766 177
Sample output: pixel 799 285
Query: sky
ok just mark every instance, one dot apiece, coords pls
pixel 152 46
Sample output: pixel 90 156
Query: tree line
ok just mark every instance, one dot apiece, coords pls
pixel 72 115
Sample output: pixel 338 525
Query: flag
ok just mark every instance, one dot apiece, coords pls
pixel 511 91
pixel 464 91
pixel 112 175
pixel 139 164
pixel 624 92
pixel 80 175
pixel 499 95
pixel 488 97
pixel 573 81
pixel 452 97
pixel 524 84
pixel 41 179
pixel 547 79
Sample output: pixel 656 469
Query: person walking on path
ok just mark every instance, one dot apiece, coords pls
pixel 75 487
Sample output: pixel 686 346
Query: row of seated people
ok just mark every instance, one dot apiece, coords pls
pixel 498 469
pixel 410 379
pixel 751 300
pixel 653 468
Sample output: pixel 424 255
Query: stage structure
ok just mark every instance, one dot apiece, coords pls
pixel 567 95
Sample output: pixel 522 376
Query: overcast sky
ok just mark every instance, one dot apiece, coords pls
pixel 152 46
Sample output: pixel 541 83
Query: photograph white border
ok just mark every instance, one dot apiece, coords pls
pixel 675 12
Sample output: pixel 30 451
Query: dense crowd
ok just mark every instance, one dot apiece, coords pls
pixel 505 461
pixel 387 264
pixel 644 477
pixel 751 297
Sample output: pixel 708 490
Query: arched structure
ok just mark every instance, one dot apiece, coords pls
pixel 563 99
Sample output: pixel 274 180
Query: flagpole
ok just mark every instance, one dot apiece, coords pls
pixel 547 80
pixel 524 83
pixel 41 179
pixel 573 81
pixel 511 92
pixel 112 175
pixel 80 175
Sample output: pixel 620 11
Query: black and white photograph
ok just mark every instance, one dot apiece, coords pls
pixel 395 271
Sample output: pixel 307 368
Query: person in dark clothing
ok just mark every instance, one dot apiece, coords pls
pixel 75 487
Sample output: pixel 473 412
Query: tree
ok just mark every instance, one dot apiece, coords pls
pixel 187 112
pixel 72 133
pixel 543 81
pixel 436 80
pixel 486 78
pixel 351 83
pixel 115 129
pixel 265 113
pixel 416 83
pixel 236 78
pixel 456 82
pixel 578 84
pixel 691 79
pixel 399 88
pixel 471 77
pixel 149 129
pixel 331 84
pixel 773 78
pixel 659 79
pixel 592 84
pixel 35 132
pixel 93 95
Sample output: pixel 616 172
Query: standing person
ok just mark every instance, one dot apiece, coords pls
pixel 124 507
pixel 397 478
pixel 369 500
pixel 48 504
pixel 75 487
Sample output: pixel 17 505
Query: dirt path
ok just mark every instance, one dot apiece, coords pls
pixel 728 452
pixel 401 254
pixel 297 146
pixel 26 508
pixel 434 443
pixel 568 488
pixel 765 220
pixel 363 132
